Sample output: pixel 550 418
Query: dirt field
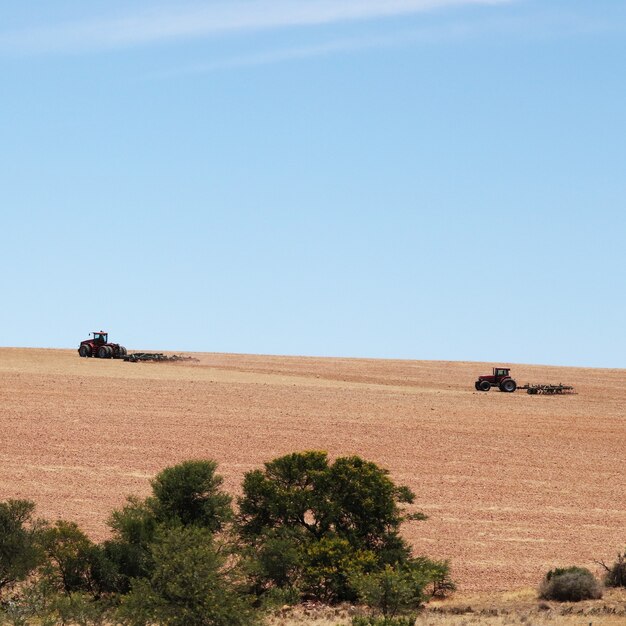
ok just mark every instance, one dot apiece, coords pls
pixel 513 484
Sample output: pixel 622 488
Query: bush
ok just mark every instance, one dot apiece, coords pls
pixel 435 574
pixel 399 588
pixel 616 574
pixel 570 584
pixel 37 602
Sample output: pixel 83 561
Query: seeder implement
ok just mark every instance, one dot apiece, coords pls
pixel 548 389
pixel 135 357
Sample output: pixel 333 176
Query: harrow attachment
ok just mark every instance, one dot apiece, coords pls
pixel 548 389
pixel 135 357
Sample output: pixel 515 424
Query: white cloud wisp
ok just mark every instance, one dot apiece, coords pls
pixel 199 21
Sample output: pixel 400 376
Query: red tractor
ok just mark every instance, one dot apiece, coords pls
pixel 500 378
pixel 100 347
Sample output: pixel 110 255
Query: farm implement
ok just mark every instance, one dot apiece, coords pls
pixel 548 389
pixel 99 346
pixel 135 357
pixel 501 379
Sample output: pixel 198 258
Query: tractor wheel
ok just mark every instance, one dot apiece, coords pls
pixel 123 351
pixel 484 385
pixel 84 350
pixel 103 352
pixel 508 385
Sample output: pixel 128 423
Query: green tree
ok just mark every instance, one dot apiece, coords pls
pixel 328 519
pixel 191 585
pixel 352 498
pixel 19 541
pixel 290 493
pixel 190 494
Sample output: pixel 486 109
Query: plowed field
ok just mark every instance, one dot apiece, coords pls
pixel 513 484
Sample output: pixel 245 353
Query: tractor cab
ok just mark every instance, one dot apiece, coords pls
pixel 100 337
pixel 501 372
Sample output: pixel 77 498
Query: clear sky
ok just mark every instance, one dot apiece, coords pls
pixel 383 178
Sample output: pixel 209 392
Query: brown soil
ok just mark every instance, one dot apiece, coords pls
pixel 513 484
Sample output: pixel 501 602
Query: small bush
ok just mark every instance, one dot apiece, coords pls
pixel 570 584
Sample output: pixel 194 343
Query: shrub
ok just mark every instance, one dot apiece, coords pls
pixel 570 584
pixel 397 589
pixel 30 604
pixel 37 602
pixel 19 541
pixel 435 574
pixel 616 574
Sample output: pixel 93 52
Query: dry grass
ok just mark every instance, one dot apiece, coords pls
pixel 496 609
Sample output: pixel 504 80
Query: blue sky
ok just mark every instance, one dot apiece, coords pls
pixel 384 178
